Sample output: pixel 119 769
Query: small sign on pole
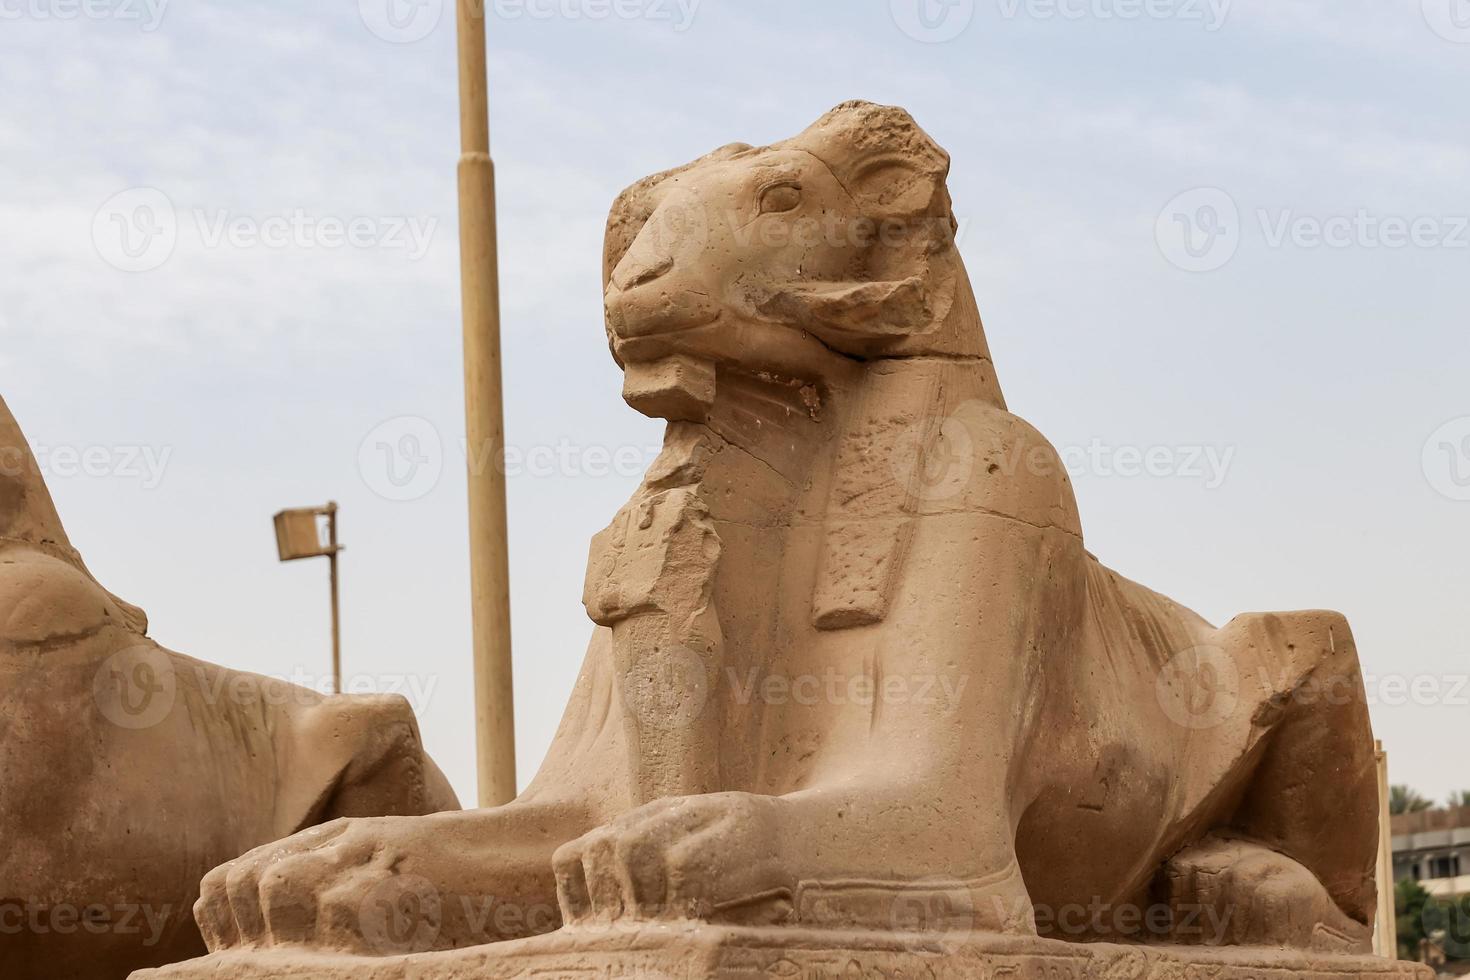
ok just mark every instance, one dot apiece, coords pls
pixel 311 532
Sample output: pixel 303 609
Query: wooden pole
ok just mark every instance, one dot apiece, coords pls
pixel 336 611
pixel 485 420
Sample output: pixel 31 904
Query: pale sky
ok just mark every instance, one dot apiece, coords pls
pixel 1297 364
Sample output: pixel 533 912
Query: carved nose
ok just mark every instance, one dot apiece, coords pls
pixel 637 270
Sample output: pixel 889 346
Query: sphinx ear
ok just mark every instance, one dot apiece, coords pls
pixel 876 310
pixel 896 187
pixel 864 318
pixel 896 175
pixel 892 169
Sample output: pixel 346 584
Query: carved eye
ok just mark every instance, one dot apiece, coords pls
pixel 781 198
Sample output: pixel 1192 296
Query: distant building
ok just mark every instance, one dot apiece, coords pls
pixel 1433 848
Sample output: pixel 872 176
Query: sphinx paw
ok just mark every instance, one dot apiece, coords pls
pixel 715 858
pixel 311 889
pixel 1229 892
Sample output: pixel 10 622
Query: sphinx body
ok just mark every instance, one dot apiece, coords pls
pixel 127 771
pixel 852 658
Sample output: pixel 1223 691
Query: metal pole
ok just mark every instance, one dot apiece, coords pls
pixel 336 611
pixel 484 419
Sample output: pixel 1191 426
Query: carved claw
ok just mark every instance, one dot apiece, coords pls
pixel 714 858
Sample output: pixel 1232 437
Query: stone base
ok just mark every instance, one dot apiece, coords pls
pixel 701 952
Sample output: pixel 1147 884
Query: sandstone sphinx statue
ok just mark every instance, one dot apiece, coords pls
pixel 859 702
pixel 128 771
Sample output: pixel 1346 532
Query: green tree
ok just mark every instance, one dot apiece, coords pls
pixel 1409 902
pixel 1454 919
pixel 1402 799
pixel 1421 916
pixel 1460 798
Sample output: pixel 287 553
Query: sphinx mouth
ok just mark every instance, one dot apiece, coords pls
pixel 654 346
pixel 632 316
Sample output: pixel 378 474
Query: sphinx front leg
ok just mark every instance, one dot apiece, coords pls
pixel 394 885
pixel 386 886
pixel 1275 873
pixel 850 858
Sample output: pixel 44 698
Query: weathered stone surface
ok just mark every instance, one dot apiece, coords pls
pixel 854 667
pixel 713 953
pixel 676 387
pixel 128 771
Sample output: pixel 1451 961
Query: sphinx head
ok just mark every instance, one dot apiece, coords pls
pixel 837 242
pixel 28 517
pixel 27 514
